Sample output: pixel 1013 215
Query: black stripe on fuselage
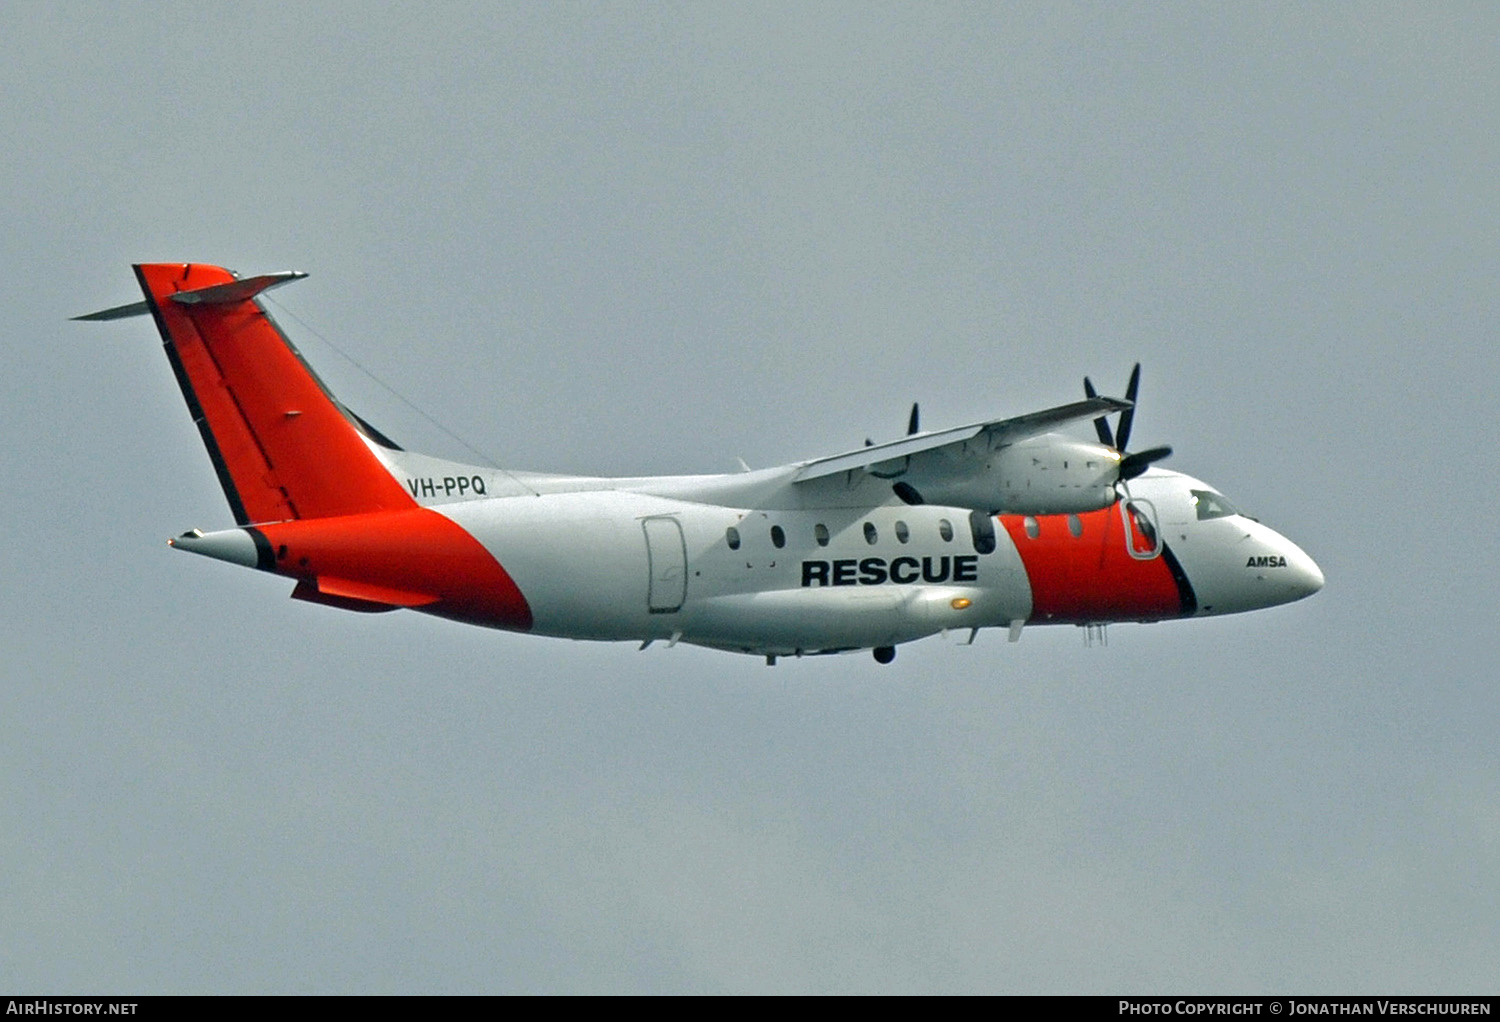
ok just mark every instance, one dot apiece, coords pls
pixel 1185 594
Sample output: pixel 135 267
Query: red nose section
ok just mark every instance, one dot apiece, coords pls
pixel 1092 577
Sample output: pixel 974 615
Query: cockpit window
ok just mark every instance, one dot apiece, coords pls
pixel 1209 504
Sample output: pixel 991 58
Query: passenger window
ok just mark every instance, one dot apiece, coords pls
pixel 870 534
pixel 1033 527
pixel 902 533
pixel 1075 526
pixel 778 537
pixel 732 537
pixel 820 533
pixel 945 529
pixel 982 528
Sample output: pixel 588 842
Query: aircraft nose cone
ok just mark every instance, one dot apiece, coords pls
pixel 1303 577
pixel 1282 574
pixel 1309 577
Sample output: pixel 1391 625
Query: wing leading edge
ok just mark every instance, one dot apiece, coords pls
pixel 996 433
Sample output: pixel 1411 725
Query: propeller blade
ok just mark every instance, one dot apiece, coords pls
pixel 911 423
pixel 1127 417
pixel 1133 465
pixel 908 494
pixel 1101 424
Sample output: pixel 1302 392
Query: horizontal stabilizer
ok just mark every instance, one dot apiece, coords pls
pixel 217 294
pixel 118 312
pixel 236 290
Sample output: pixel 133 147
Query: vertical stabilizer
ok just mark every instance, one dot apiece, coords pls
pixel 283 447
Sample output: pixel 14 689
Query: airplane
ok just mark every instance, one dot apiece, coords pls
pixel 997 524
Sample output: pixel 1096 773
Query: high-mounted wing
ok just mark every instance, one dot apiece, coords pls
pixel 1006 466
pixel 997 433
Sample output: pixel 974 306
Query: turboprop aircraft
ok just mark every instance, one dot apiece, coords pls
pixel 996 524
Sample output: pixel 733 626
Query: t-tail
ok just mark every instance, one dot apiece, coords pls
pixel 313 500
pixel 282 445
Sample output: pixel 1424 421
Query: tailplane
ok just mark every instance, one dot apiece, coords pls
pixel 283 446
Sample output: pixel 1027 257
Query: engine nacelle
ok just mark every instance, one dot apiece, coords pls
pixel 1051 475
pixel 1043 475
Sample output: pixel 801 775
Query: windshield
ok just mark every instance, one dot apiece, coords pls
pixel 1209 504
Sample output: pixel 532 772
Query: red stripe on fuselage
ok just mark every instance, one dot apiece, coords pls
pixel 417 551
pixel 1091 577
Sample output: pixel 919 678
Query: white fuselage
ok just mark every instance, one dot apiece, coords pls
pixel 633 559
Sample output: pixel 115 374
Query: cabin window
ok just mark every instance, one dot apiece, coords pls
pixel 778 537
pixel 1033 527
pixel 820 533
pixel 732 537
pixel 982 528
pixel 870 534
pixel 1075 526
pixel 945 529
pixel 902 532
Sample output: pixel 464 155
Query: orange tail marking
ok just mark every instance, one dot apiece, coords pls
pixel 281 445
pixel 415 558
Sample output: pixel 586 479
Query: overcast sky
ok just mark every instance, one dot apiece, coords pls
pixel 658 238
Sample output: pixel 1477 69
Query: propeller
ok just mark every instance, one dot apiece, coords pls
pixel 1131 465
pixel 1127 417
pixel 906 491
pixel 1101 424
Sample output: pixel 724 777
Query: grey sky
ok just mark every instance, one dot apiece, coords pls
pixel 622 239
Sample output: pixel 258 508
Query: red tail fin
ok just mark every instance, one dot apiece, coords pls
pixel 282 446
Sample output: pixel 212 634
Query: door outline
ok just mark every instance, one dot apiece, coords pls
pixel 666 564
pixel 1142 528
